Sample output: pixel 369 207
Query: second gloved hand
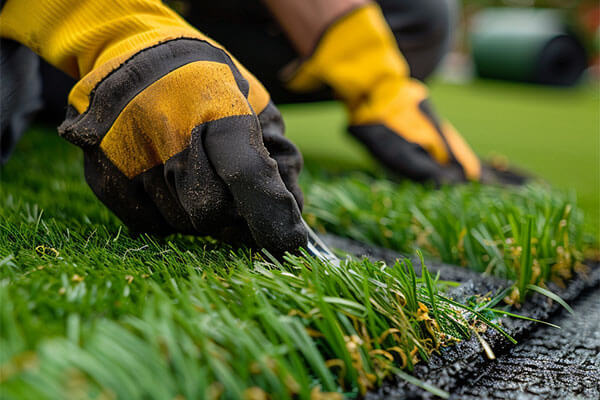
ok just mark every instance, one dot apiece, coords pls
pixel 389 112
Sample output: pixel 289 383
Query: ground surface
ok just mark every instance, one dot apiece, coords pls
pixel 551 364
pixel 547 363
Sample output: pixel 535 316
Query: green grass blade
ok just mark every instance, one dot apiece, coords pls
pixel 503 312
pixel 423 385
pixel 525 269
pixel 552 296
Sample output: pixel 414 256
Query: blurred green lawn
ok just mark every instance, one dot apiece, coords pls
pixel 553 133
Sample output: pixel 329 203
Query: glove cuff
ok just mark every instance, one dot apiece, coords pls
pixel 355 54
pixel 76 36
pixel 90 39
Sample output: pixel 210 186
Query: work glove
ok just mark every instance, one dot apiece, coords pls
pixel 177 136
pixel 390 113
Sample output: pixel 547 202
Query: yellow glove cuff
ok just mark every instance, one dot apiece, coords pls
pixel 92 38
pixel 353 55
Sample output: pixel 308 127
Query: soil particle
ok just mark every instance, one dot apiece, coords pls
pixel 547 363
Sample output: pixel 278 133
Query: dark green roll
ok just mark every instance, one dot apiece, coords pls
pixel 527 46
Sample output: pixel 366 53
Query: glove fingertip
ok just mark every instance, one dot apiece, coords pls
pixel 285 238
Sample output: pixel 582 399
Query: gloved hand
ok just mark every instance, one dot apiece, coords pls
pixel 177 135
pixel 389 112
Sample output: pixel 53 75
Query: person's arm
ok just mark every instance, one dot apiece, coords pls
pixel 176 133
pixel 305 21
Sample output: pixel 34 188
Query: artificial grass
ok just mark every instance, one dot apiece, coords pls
pixel 87 311
pixel 553 133
pixel 531 235
pixel 174 319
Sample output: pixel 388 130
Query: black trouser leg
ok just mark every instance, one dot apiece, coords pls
pixel 20 91
pixel 423 30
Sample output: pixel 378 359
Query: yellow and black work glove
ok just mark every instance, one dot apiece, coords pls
pixel 389 112
pixel 177 135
